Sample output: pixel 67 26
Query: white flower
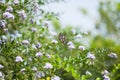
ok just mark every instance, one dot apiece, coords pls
pixel 1 42
pixel 16 2
pixel 73 31
pixel 82 48
pixel 1 75
pixel 4 37
pixel 105 72
pixel 112 55
pixel 1 66
pixel 2 23
pixel 88 73
pixel 71 47
pixel 22 70
pixel 48 66
pixel 85 33
pixel 33 29
pixel 34 46
pixel 46 24
pixel 91 63
pixel 34 69
pixel 48 56
pixel 18 59
pixel 55 78
pixel 78 36
pixel 39 54
pixel 40 74
pixel 36 7
pixel 5 29
pixel 54 41
pixel 38 45
pixel 9 9
pixel 90 56
pixel 32 21
pixel 25 42
pixel 17 34
pixel 70 43
pixel 106 77
pixel 30 59
pixel 22 14
pixel 53 33
pixel 8 15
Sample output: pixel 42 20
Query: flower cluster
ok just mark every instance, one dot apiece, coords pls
pixel 105 74
pixel 8 15
pixel 70 45
pixel 18 59
pixel 112 55
pixel 90 56
pixel 48 66
pixel 22 14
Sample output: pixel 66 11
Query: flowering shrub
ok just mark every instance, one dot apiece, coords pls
pixel 30 50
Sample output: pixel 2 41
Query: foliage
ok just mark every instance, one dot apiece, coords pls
pixel 110 16
pixel 30 50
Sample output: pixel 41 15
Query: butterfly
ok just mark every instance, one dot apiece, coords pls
pixel 62 38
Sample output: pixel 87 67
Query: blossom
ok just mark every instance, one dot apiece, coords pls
pixel 38 45
pixel 54 41
pixel 112 55
pixel 39 54
pixel 16 2
pixel 70 45
pixel 34 69
pixel 36 7
pixel 32 21
pixel 90 56
pixel 9 9
pixel 85 33
pixel 8 15
pixel 53 33
pixel 1 66
pixel 5 30
pixel 1 75
pixel 106 77
pixel 33 29
pixel 81 48
pixel 30 59
pixel 48 56
pixel 88 73
pixel 18 59
pixel 55 78
pixel 4 37
pixel 46 24
pixel 33 46
pixel 78 36
pixel 48 66
pixel 40 74
pixel 22 70
pixel 73 31
pixel 22 14
pixel 105 72
pixel 17 34
pixel 25 42
pixel 2 23
pixel 1 42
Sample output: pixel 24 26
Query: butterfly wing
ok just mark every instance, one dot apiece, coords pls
pixel 62 38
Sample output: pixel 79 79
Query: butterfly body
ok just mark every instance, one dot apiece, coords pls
pixel 62 38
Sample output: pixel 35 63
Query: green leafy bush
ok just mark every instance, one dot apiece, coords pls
pixel 30 50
